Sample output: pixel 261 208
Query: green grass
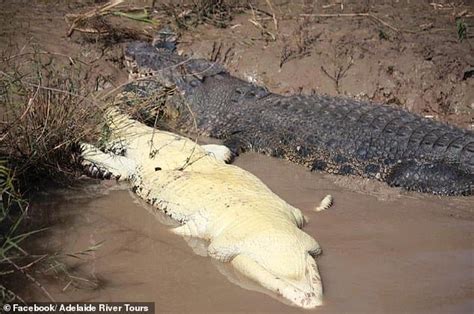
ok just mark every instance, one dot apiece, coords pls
pixel 461 28
pixel 13 210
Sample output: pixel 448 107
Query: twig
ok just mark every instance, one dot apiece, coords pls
pixel 258 10
pixel 334 14
pixel 258 25
pixel 338 74
pixel 275 21
pixel 67 286
pixel 36 261
pixel 90 30
pixel 385 23
pixel 188 160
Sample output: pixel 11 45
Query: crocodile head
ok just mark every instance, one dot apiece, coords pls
pixel 284 264
pixel 197 87
pixel 279 263
pixel 166 67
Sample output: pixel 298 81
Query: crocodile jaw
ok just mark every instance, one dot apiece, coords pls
pixel 305 292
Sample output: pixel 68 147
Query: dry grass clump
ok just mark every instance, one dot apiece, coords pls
pixel 46 110
pixel 93 21
pixel 118 20
pixel 189 14
pixel 184 14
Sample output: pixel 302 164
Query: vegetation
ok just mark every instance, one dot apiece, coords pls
pixel 13 209
pixel 46 112
pixel 461 28
pixel 188 14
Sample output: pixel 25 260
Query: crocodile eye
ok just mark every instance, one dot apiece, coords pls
pixel 261 92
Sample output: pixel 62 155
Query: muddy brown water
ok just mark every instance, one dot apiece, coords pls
pixel 383 250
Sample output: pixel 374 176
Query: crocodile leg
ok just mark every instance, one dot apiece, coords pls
pixel 220 152
pixel 106 165
pixel 238 142
pixel 437 178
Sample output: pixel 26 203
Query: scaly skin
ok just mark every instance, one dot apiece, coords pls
pixel 337 135
pixel 246 224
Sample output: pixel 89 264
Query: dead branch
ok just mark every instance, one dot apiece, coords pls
pixel 275 21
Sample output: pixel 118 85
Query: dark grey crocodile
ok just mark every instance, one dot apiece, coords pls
pixel 337 135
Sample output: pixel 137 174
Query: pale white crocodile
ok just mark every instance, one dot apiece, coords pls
pixel 246 224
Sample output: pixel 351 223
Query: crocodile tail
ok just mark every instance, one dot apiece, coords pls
pixel 431 177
